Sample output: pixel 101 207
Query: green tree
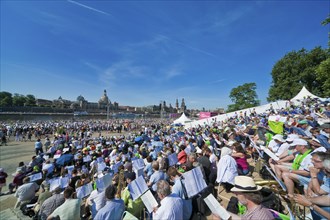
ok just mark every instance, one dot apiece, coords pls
pixel 295 70
pixel 243 96
pixel 323 75
pixel 19 100
pixel 6 99
pixel 30 100
pixel 325 23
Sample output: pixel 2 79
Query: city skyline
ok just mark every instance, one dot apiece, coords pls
pixel 145 52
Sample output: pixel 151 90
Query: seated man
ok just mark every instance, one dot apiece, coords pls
pixel 70 209
pixel 303 150
pixel 317 196
pixel 50 204
pixel 171 205
pixel 247 193
pixel 94 202
pixel 26 192
pixel 302 175
pixel 156 176
pixel 179 189
pixel 114 208
pixel 275 144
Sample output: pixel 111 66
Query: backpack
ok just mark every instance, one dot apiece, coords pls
pixel 271 200
pixel 200 209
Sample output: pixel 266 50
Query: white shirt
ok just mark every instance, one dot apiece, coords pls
pixel 171 207
pixel 26 191
pixel 49 167
pixel 227 170
pixel 284 147
pixel 70 209
pixel 97 201
pixel 307 161
pixel 213 158
pixel 273 146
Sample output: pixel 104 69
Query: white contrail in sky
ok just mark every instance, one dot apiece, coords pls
pixel 90 8
pixel 188 46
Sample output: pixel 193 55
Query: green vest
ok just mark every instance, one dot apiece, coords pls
pixel 299 158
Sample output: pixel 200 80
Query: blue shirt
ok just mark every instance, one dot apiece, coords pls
pixel 187 203
pixel 326 181
pixel 112 210
pixel 323 140
pixel 155 177
pixel 38 145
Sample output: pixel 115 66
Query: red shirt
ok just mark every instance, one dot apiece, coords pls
pixel 182 157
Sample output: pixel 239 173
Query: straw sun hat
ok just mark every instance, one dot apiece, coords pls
pixel 245 184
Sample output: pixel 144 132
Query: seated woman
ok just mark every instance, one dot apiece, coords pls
pixel 240 157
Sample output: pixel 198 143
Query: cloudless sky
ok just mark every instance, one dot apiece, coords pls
pixel 144 52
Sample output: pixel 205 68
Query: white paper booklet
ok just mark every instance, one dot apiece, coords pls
pixel 270 153
pixel 56 156
pixel 216 208
pixel 69 168
pixel 138 164
pixel 194 181
pixel 149 201
pixel 172 159
pixel 137 187
pixel 101 166
pixel 87 158
pixel 100 160
pixel 139 172
pixel 84 190
pixel 103 182
pixel 35 177
pixel 61 182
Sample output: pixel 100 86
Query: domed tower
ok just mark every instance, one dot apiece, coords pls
pixel 104 100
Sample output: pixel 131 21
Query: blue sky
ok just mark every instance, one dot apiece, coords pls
pixel 143 52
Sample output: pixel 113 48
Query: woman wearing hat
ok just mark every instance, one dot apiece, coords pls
pixel 247 193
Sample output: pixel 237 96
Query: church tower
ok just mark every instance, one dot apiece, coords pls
pixel 177 105
pixel 183 106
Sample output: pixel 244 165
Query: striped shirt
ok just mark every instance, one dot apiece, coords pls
pixel 50 204
pixel 258 213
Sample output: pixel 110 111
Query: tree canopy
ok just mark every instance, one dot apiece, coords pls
pixel 297 69
pixel 6 99
pixel 244 96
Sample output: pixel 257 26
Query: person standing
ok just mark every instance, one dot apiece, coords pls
pixel 3 176
pixel 38 147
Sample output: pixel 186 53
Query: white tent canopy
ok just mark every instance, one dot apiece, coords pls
pixel 259 109
pixel 182 120
pixel 304 93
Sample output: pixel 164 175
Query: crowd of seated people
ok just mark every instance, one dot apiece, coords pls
pixel 221 150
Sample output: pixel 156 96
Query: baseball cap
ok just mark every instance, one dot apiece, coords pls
pixel 299 142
